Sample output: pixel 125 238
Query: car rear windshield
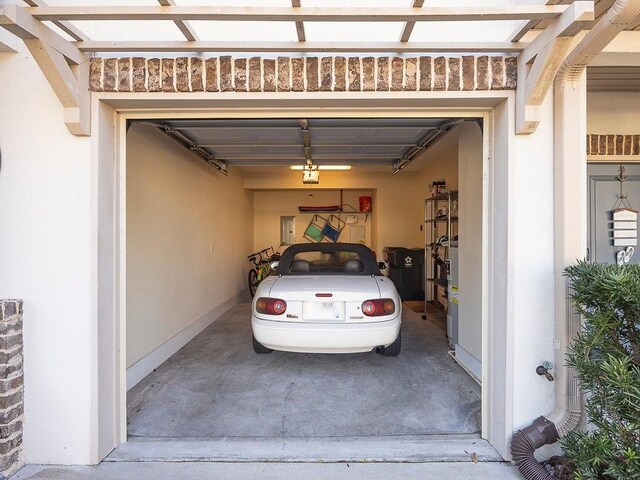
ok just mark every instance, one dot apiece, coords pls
pixel 319 263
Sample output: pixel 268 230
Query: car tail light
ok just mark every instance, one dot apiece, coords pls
pixel 378 307
pixel 271 306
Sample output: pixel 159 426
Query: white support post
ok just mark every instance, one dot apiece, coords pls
pixel 570 225
pixel 570 125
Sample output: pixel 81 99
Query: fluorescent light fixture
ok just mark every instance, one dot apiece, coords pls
pixel 321 167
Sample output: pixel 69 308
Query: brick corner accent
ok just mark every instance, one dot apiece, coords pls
pixel 303 74
pixel 613 144
pixel 11 387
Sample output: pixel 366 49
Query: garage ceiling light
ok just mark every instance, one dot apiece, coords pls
pixel 322 167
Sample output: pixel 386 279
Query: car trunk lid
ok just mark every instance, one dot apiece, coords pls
pixel 324 298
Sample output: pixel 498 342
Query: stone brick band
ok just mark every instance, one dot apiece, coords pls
pixel 600 144
pixel 11 387
pixel 303 74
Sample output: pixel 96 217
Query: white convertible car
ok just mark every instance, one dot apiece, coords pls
pixel 327 298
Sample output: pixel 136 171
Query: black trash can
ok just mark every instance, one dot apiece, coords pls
pixel 406 271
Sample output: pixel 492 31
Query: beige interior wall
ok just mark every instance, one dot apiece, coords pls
pixel 270 205
pixel 470 239
pixel 178 208
pixel 397 212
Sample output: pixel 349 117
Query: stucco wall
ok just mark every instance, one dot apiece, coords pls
pixel 179 209
pixel 46 259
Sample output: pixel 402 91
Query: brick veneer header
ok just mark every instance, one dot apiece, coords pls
pixel 302 74
pixel 599 144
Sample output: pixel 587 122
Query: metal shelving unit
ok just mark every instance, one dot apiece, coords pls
pixel 439 221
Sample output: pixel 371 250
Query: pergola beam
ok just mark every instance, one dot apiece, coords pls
pixel 527 26
pixel 19 22
pixel 301 47
pixel 67 27
pixel 408 27
pixel 302 37
pixel 186 29
pixel 300 14
pixel 549 50
pixel 69 87
pixel 571 22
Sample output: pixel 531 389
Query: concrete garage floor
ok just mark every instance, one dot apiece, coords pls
pixel 216 386
pixel 345 416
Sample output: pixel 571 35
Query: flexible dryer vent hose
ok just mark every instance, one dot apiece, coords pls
pixel 526 441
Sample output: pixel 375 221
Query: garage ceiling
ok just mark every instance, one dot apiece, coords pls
pixel 282 142
pixel 613 79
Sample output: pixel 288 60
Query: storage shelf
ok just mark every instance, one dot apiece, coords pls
pixel 318 212
pixel 442 219
pixel 443 197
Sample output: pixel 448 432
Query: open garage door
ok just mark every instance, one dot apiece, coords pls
pixel 203 194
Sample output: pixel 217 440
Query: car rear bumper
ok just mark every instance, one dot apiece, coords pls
pixel 325 338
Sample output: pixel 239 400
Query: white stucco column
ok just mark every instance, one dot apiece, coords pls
pixel 570 227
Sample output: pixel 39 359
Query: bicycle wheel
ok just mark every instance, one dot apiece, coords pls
pixel 253 282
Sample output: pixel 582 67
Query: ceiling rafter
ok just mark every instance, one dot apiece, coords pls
pixel 302 14
pixel 408 26
pixel 186 29
pixel 302 37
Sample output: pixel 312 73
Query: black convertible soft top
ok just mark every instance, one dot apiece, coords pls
pixel 366 255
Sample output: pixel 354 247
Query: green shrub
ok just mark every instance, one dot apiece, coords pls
pixel 606 356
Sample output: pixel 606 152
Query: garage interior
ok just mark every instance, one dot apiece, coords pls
pixel 203 194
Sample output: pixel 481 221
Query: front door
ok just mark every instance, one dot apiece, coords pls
pixel 604 190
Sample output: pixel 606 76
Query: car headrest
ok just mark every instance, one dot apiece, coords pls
pixel 300 266
pixel 353 266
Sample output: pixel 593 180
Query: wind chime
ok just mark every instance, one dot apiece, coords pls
pixel 625 224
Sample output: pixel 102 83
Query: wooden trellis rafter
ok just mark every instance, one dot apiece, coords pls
pixel 408 27
pixel 65 62
pixel 186 29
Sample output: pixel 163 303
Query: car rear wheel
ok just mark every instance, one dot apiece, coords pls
pixel 393 350
pixel 258 347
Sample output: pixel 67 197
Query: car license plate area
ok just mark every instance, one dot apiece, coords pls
pixel 323 311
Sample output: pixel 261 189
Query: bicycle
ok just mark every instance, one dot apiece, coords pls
pixel 262 267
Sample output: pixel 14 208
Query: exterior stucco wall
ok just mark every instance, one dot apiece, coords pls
pixel 46 196
pixel 533 264
pixel 46 259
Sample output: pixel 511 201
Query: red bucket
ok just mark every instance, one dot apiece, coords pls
pixel 365 203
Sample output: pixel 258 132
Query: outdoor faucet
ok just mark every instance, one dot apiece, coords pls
pixel 544 370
